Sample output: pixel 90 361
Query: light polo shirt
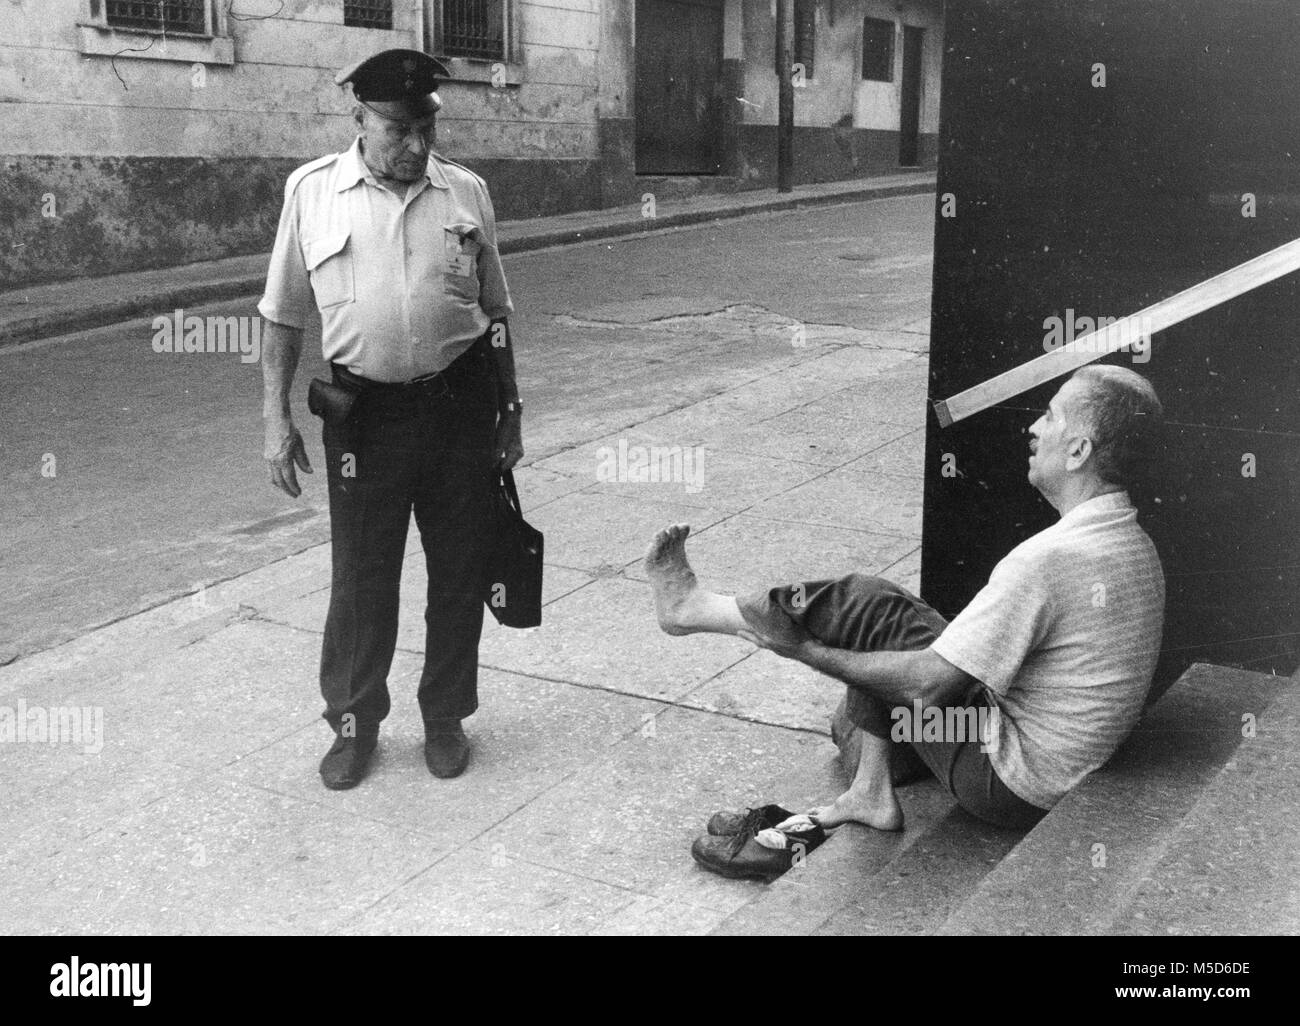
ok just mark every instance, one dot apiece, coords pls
pixel 404 285
pixel 1064 638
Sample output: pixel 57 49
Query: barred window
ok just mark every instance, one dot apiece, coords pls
pixel 804 43
pixel 368 13
pixel 158 15
pixel 878 50
pixel 474 28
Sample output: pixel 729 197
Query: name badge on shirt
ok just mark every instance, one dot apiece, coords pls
pixel 459 262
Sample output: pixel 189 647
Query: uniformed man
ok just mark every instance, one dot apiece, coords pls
pixel 396 245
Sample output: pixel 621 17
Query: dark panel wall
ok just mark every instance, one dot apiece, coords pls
pixel 1103 200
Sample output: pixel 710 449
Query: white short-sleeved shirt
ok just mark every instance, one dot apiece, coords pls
pixel 403 285
pixel 1064 638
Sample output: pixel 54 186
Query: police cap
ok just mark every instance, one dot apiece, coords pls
pixel 397 83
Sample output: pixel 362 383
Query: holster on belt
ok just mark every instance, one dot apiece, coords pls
pixel 331 402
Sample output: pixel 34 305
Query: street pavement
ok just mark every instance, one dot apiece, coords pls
pixel 785 353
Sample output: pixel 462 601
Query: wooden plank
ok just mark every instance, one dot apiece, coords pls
pixel 1230 284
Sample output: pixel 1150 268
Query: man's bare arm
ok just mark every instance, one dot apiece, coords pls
pixel 281 349
pixel 894 677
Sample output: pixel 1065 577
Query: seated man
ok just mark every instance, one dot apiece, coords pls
pixel 1056 652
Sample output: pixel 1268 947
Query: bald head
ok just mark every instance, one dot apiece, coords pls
pixel 1120 412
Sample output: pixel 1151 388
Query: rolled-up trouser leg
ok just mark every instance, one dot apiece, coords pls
pixel 858 612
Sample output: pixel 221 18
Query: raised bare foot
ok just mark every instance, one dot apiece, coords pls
pixel 672 579
pixel 881 812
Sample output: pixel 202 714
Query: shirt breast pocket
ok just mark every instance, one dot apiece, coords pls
pixel 329 265
pixel 461 251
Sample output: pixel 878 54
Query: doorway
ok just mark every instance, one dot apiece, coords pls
pixel 678 86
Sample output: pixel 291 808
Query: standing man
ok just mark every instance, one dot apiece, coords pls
pixel 397 248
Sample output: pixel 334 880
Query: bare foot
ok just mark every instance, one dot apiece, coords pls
pixel 672 579
pixel 881 812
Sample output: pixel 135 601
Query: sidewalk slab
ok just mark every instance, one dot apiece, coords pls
pixel 486 892
pixel 747 552
pixel 529 736
pixel 219 857
pixel 725 482
pixel 605 636
pixel 854 499
pixel 628 819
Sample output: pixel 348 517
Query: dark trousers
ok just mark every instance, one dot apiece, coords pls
pixel 870 614
pixel 427 448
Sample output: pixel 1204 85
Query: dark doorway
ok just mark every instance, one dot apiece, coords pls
pixel 909 117
pixel 678 80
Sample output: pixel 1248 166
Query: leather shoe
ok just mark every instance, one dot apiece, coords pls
pixel 728 824
pixel 744 856
pixel 347 761
pixel 446 748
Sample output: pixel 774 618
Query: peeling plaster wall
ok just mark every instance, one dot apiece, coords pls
pixel 182 161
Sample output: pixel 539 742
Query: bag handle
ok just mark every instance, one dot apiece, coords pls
pixel 512 493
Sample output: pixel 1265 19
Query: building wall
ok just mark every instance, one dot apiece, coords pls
pixel 177 150
pixel 845 127
pixel 185 157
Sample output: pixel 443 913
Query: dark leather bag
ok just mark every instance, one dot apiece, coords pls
pixel 514 591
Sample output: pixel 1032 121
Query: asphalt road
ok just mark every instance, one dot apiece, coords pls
pixel 158 486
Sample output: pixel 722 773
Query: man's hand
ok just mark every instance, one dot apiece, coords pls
pixel 510 441
pixel 801 651
pixel 284 448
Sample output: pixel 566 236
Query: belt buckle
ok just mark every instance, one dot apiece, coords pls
pixel 427 382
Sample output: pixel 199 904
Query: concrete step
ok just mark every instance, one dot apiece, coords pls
pixel 864 882
pixel 1233 864
pixel 1171 798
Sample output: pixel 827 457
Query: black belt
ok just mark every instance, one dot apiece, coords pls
pixel 438 383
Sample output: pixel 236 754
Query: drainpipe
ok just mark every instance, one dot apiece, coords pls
pixel 785 97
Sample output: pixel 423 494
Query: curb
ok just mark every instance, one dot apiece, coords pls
pixel 570 236
pixel 105 312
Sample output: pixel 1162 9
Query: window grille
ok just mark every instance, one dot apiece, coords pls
pixel 159 15
pixel 474 28
pixel 368 13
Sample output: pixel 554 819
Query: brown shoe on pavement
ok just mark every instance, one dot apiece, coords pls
pixel 446 748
